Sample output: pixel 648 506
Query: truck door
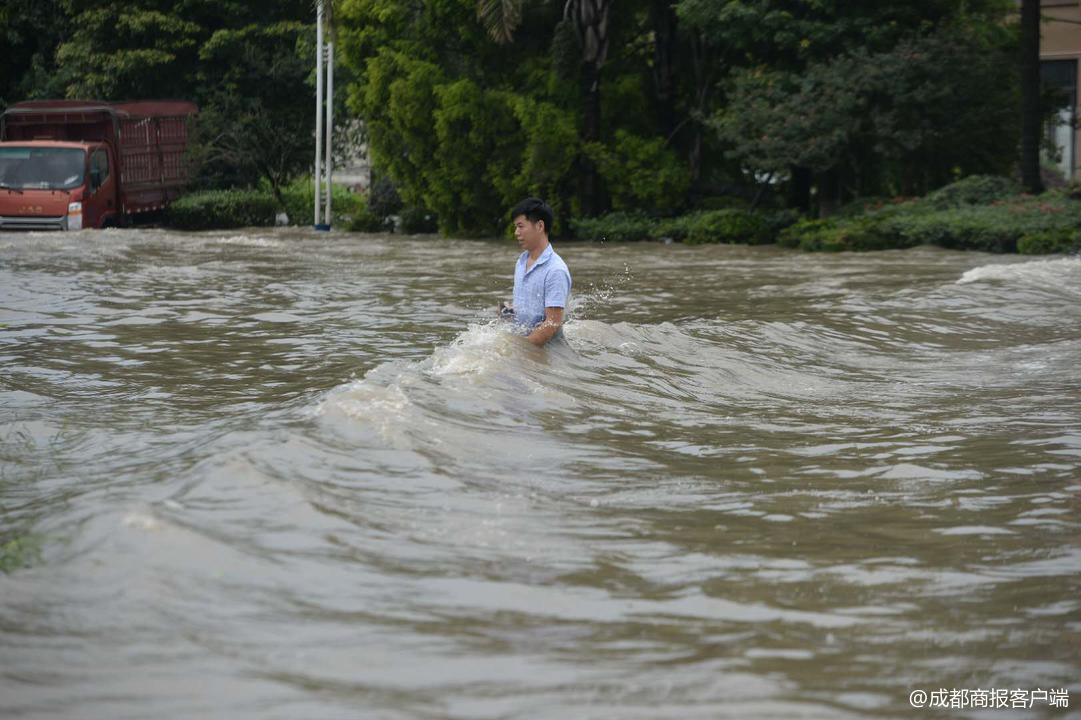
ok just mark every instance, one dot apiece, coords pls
pixel 101 205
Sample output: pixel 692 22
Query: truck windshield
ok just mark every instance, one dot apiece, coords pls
pixel 42 168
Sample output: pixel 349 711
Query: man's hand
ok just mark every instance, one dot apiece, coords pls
pixel 553 320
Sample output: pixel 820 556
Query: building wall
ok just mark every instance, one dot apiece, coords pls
pixel 1060 40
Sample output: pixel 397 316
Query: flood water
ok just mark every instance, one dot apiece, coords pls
pixel 281 474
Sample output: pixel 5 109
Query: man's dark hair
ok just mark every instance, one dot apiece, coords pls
pixel 535 209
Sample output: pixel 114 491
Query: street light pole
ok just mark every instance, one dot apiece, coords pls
pixel 322 219
pixel 318 173
pixel 330 126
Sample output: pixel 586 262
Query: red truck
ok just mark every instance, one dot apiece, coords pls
pixel 72 164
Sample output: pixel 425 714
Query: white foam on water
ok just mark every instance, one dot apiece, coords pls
pixel 397 396
pixel 1052 273
pixel 476 351
pixel 247 241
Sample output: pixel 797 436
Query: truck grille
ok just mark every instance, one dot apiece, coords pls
pixel 33 223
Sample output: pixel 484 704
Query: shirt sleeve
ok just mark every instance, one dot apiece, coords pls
pixel 557 286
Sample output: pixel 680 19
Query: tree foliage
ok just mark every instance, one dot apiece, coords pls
pixel 903 120
pixel 643 105
pixel 246 64
pixel 252 126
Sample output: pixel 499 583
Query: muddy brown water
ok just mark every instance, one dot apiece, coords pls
pixel 281 474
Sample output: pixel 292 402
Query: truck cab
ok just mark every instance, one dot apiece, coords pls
pixel 57 186
pixel 74 164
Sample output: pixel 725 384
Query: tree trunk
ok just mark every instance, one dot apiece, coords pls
pixel 663 15
pixel 702 65
pixel 591 23
pixel 591 132
pixel 829 193
pixel 799 190
pixel 1030 96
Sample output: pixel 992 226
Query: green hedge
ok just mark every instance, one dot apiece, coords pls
pixel 728 226
pixel 860 234
pixel 221 209
pixel 1047 242
pixel 616 227
pixel 957 217
pixel 972 190
pixel 349 209
pixel 708 226
pixel 236 208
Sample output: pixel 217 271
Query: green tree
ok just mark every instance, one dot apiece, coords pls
pixel 30 31
pixel 246 64
pixel 463 125
pixel 861 98
pixel 587 20
pixel 251 126
pixel 1031 112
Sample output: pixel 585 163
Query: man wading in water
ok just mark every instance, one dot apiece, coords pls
pixel 542 282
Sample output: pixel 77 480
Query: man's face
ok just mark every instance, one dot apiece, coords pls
pixel 529 235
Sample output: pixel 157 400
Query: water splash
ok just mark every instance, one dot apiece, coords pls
pixel 1059 271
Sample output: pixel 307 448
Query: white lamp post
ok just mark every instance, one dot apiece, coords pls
pixel 322 50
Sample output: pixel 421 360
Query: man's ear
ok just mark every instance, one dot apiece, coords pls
pixel 543 227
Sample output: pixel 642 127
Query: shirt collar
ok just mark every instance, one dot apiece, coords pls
pixel 544 257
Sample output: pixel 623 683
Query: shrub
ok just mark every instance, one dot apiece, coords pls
pixel 676 228
pixel 299 197
pixel 809 234
pixel 958 216
pixel 835 235
pixel 709 226
pixel 417 221
pixel 777 220
pixel 728 226
pixel 1048 242
pixel 218 209
pixel 383 198
pixel 862 206
pixel 617 227
pixel 972 190
pixel 367 221
pixel 991 228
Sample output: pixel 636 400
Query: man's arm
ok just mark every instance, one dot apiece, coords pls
pixel 553 320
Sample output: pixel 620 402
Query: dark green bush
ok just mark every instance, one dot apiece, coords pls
pixel 706 226
pixel 972 190
pixel 616 227
pixel 418 221
pixel 976 213
pixel 864 206
pixel 299 197
pixel 728 226
pixel 721 202
pixel 836 235
pixel 992 228
pixel 218 209
pixel 675 228
pixel 367 221
pixel 383 198
pixel 1049 242
pixel 777 220
pixel 960 216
